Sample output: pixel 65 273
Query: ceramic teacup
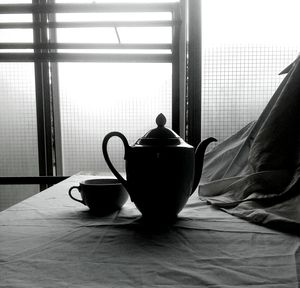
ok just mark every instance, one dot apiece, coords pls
pixel 102 196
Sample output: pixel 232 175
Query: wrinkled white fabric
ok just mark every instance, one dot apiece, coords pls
pixel 50 240
pixel 254 174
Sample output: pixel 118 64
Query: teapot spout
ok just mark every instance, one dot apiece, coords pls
pixel 199 156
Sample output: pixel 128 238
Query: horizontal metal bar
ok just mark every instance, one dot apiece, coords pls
pixel 86 8
pixel 16 25
pixel 87 24
pixel 20 180
pixel 84 46
pixel 86 57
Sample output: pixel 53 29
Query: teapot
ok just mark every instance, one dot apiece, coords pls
pixel 162 171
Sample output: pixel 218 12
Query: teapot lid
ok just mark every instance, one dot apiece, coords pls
pixel 160 135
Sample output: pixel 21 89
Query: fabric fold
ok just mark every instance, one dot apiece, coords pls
pixel 256 171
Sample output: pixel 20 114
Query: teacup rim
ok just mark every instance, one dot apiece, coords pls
pixel 101 181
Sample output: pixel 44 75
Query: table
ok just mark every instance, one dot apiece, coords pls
pixel 50 240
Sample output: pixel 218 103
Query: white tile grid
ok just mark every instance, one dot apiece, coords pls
pixel 93 106
pixel 238 82
pixel 18 142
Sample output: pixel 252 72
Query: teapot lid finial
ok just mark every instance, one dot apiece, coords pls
pixel 160 135
pixel 161 120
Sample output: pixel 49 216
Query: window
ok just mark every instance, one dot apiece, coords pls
pixel 96 66
pixel 96 98
pixel 68 68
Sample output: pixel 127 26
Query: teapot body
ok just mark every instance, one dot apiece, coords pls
pixel 160 180
pixel 162 171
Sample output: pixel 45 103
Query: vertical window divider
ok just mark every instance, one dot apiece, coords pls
pixel 183 67
pixel 43 98
pixel 194 73
pixel 175 72
pixel 56 124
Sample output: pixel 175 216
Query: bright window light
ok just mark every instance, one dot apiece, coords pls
pixel 272 22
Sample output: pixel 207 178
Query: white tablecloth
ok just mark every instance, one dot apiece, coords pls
pixel 50 240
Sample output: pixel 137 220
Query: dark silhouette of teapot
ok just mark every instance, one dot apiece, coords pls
pixel 162 171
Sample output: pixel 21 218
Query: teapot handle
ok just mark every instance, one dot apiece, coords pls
pixel 106 157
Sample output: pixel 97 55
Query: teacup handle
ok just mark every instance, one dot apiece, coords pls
pixel 70 194
pixel 106 157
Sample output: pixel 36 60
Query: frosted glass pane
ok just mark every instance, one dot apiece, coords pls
pixel 18 128
pixel 16 35
pixel 238 82
pixel 136 16
pixel 244 48
pixel 15 17
pixel 90 35
pixel 97 98
pixel 145 34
